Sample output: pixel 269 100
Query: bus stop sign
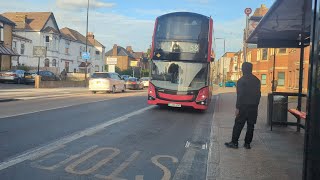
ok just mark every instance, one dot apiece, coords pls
pixel 247 11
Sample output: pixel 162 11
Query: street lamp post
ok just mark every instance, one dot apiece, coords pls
pixel 224 51
pixel 86 68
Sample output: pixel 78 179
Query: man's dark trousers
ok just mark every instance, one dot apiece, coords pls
pixel 247 114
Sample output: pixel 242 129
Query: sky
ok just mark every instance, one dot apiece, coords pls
pixel 130 22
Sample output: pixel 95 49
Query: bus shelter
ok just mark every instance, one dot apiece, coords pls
pixel 295 24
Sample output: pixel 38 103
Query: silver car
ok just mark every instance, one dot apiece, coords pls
pixel 16 76
pixel 107 82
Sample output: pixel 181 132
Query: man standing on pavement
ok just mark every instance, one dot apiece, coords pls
pixel 248 99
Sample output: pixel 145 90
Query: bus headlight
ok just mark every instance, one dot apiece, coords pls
pixel 151 92
pixel 203 96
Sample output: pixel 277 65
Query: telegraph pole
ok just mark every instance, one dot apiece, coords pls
pixel 86 71
pixel 247 11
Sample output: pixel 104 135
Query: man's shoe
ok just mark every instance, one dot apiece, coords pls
pixel 231 145
pixel 247 146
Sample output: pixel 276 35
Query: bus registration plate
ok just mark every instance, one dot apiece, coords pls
pixel 174 105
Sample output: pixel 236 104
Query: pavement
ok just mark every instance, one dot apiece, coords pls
pixel 275 155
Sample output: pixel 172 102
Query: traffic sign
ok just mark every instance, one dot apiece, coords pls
pixel 39 51
pixel 248 11
pixel 85 55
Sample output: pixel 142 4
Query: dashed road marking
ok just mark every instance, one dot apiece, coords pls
pixel 187 144
pixel 38 152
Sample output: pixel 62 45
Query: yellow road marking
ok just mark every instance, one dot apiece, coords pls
pixel 114 175
pixel 71 168
pixel 55 166
pixel 166 171
pixel 139 177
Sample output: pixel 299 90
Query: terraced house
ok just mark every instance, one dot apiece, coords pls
pixel 64 46
pixel 6 52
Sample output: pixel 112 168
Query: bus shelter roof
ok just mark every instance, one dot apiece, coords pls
pixel 283 25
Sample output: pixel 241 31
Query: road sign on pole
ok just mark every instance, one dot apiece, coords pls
pixel 247 11
pixel 39 51
pixel 85 55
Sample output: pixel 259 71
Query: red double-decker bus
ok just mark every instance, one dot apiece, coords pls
pixel 180 61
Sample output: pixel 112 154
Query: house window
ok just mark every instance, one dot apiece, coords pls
pixel 282 50
pixel 22 49
pixel 281 78
pixel 258 55
pixel 14 46
pixel 67 45
pixel 54 62
pixel 264 54
pixel 46 63
pixel 1 34
pixel 97 52
pixel 263 79
pixel 47 41
pixel 96 68
pixel 97 55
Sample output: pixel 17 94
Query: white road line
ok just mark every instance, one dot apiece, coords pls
pixel 213 159
pixel 49 109
pixel 36 152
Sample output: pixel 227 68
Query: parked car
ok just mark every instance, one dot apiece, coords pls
pixel 125 77
pixel 230 84
pixel 45 76
pixel 145 81
pixel 134 83
pixel 16 76
pixel 107 82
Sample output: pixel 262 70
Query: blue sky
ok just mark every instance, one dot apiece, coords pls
pixel 127 22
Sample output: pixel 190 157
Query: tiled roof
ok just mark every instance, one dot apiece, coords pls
pixel 7 51
pixel 75 35
pixel 6 20
pixel 35 21
pixel 96 43
pixel 120 52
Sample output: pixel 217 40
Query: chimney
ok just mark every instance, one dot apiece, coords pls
pixel 115 50
pixel 21 20
pixel 90 35
pixel 129 48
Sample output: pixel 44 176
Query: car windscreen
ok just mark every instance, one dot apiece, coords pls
pixel 179 76
pixel 101 75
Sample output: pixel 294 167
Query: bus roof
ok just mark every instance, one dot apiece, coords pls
pixel 183 13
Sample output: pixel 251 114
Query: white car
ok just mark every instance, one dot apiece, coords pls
pixel 106 82
pixel 145 81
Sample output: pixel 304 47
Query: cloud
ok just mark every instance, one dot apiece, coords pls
pixel 76 4
pixel 110 28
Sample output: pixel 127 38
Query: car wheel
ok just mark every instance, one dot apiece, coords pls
pixel 94 92
pixel 124 88
pixel 113 90
pixel 18 81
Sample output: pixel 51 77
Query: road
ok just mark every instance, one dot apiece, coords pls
pixel 102 136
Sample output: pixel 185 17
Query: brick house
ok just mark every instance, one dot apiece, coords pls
pixel 124 57
pixel 286 70
pixel 6 52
